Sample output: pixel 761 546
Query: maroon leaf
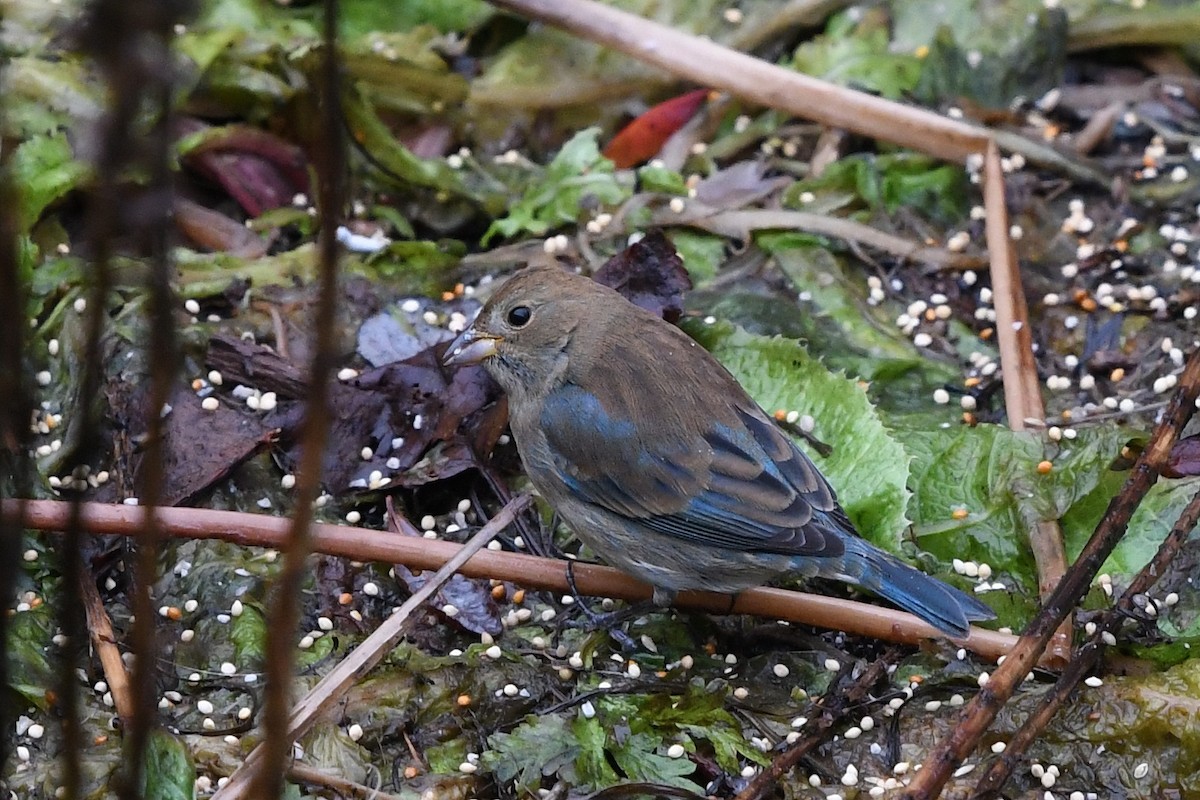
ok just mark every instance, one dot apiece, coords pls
pixel 649 274
pixel 1184 459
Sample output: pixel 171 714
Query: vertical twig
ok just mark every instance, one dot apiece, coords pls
pixel 1022 390
pixel 110 38
pixel 284 612
pixel 151 67
pixel 15 472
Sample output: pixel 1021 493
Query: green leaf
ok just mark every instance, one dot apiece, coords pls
pixel 661 179
pixel 991 473
pixel 868 468
pixel 1149 526
pixel 851 334
pixel 357 17
pixel 988 52
pixel 702 253
pixel 855 50
pixel 46 170
pixel 977 470
pixel 885 183
pixel 249 636
pixel 578 178
pixel 638 758
pixel 30 672
pixel 401 163
pixel 169 773
pixel 591 764
pixel 539 746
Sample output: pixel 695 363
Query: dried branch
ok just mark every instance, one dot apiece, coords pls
pixel 984 707
pixel 1088 657
pixel 832 709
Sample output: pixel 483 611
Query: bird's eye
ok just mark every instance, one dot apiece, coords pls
pixel 519 316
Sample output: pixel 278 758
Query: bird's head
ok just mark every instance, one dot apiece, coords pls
pixel 523 334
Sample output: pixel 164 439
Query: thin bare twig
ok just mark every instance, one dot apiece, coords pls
pixel 530 571
pixel 818 728
pixel 329 160
pixel 331 688
pixel 984 707
pixel 104 642
pixel 302 773
pixel 740 224
pixel 156 68
pixel 15 462
pixel 1087 658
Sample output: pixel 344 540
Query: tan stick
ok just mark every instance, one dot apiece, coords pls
pixel 360 544
pixel 1022 390
pixel 710 64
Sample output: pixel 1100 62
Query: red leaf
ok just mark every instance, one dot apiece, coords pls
pixel 641 139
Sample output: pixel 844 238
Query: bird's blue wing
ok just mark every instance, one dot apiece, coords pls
pixel 732 480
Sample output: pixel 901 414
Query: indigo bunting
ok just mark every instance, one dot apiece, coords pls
pixel 659 460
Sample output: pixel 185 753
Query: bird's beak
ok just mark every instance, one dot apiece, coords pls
pixel 470 347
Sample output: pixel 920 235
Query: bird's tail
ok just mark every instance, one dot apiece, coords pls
pixel 942 606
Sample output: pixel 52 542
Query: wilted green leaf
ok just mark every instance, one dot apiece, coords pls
pixel 357 17
pixel 638 758
pixel 1150 524
pixel 988 52
pixel 855 51
pixel 991 473
pixel 30 673
pixel 660 179
pixel 45 169
pixel 849 333
pixel 539 746
pixel 702 253
pixel 168 773
pixel 887 183
pixel 249 636
pixel 578 178
pixel 591 764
